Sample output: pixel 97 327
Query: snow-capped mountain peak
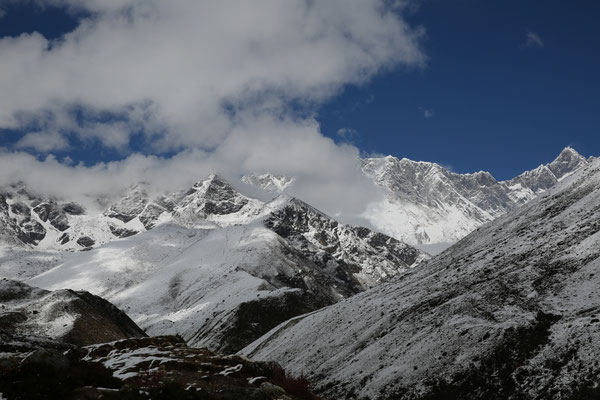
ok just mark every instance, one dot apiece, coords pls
pixel 268 182
pixel 566 163
pixel 427 204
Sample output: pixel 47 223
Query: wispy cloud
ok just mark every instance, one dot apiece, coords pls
pixel 2 13
pixel 533 40
pixel 346 133
pixel 427 112
pixel 43 142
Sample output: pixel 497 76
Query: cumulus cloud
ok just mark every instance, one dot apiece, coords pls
pixel 195 63
pixel 533 40
pixel 217 83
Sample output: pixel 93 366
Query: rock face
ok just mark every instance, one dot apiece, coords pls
pixel 65 316
pixel 143 368
pixel 509 312
pixel 360 257
pixel 426 203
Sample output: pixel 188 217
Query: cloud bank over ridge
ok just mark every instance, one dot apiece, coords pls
pixel 227 86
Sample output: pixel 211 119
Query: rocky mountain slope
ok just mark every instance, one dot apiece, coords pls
pixel 427 204
pixel 512 311
pixel 224 286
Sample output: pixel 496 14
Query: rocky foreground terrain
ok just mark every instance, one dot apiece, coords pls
pixel 510 312
pixel 52 347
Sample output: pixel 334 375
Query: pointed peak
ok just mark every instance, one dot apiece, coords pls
pixel 136 187
pixel 215 180
pixel 283 201
pixel 567 162
pixel 210 180
pixel 570 152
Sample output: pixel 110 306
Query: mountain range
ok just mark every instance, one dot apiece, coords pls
pixel 422 204
pixel 364 312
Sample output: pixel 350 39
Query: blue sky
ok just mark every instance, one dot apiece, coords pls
pixel 505 86
pixel 498 104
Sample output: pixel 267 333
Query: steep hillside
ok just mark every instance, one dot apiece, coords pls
pixel 510 312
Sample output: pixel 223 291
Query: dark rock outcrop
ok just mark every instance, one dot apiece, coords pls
pixel 86 241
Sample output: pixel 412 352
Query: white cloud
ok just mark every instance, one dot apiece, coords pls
pixel 43 141
pixel 213 81
pixel 534 40
pixel 327 174
pixel 186 60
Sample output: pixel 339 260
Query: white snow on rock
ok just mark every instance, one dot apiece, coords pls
pixel 268 182
pixel 423 204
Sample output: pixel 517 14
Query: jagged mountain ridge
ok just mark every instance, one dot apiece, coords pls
pixel 46 223
pixel 510 311
pixel 425 203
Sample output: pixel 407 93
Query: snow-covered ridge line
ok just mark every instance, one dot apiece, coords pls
pixel 427 204
pixel 422 204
